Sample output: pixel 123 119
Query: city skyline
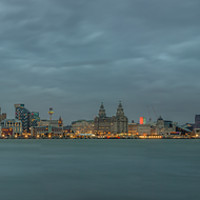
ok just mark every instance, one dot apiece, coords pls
pixel 72 55
pixel 28 124
pixel 99 99
pixel 56 115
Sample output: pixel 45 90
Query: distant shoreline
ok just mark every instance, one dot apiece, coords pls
pixel 34 138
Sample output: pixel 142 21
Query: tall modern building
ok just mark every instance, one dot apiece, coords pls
pixel 23 114
pixel 115 125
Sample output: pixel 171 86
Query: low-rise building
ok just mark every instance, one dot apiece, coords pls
pixel 140 129
pixel 133 129
pixel 144 129
pixel 11 127
pixel 46 131
pixel 3 116
pixel 164 127
pixel 83 126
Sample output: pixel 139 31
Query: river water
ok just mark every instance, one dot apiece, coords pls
pixel 99 169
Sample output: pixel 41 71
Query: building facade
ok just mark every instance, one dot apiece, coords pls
pixel 164 127
pixel 46 131
pixel 196 127
pixel 46 122
pixel 102 123
pixel 27 118
pixel 83 126
pixel 197 121
pixel 141 129
pixel 3 116
pixel 120 121
pixel 23 114
pixel 34 118
pixel 11 127
pixel 111 125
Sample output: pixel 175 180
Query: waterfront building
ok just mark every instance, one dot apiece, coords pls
pixel 102 123
pixel 11 127
pixel 27 118
pixel 34 118
pixel 197 121
pixel 144 129
pixel 141 129
pixel 164 127
pixel 133 129
pixel 83 126
pixel 48 128
pixel 3 116
pixel 120 121
pixel 197 132
pixel 23 114
pixel 196 129
pixel 46 131
pixel 68 132
pixel 111 125
pixel 183 130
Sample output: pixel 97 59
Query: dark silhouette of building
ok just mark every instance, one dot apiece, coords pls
pixel 197 121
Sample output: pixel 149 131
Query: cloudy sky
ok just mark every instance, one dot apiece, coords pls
pixel 73 54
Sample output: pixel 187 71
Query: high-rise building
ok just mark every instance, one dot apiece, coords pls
pixel 23 114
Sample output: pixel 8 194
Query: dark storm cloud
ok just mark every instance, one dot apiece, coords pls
pixel 74 54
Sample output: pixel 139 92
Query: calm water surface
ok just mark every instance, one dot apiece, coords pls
pixel 99 169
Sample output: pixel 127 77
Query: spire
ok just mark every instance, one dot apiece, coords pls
pixel 120 110
pixel 160 118
pixel 60 122
pixel 102 112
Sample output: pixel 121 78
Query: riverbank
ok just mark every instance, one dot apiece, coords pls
pixel 97 137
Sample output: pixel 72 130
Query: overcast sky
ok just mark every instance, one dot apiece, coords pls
pixel 73 54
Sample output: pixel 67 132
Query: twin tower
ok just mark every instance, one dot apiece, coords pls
pixel 111 125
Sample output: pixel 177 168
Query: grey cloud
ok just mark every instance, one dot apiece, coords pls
pixel 74 54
